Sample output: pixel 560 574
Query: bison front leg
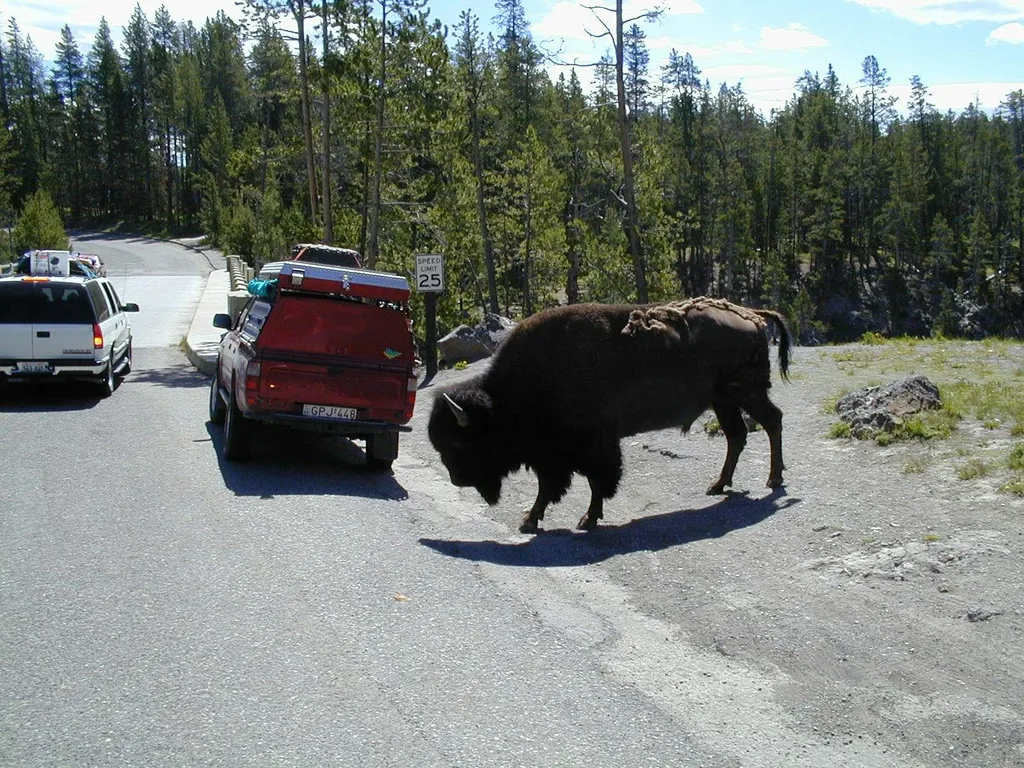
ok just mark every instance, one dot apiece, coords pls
pixel 596 509
pixel 730 418
pixel 535 514
pixel 552 485
pixel 602 466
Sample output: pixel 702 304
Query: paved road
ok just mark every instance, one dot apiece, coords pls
pixel 158 607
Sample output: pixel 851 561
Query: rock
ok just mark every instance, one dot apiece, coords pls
pixel 877 409
pixel 492 330
pixel 476 343
pixel 462 344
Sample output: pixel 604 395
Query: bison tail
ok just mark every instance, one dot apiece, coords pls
pixel 785 339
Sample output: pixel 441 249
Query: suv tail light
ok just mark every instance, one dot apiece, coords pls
pixel 252 382
pixel 97 336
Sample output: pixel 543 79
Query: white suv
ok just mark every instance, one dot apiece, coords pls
pixel 64 328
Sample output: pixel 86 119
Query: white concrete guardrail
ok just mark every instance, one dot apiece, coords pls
pixel 241 273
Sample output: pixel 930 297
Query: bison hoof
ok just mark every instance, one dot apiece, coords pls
pixel 587 523
pixel 774 482
pixel 528 526
pixel 716 489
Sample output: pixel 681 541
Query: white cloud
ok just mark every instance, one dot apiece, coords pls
pixel 948 11
pixel 632 8
pixel 568 21
pixel 43 21
pixel 1008 33
pixel 794 37
pixel 958 96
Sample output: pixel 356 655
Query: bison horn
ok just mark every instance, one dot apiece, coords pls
pixel 460 413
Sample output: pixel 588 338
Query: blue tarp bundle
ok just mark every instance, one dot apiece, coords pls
pixel 263 289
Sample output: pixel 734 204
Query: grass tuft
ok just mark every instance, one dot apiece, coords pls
pixel 973 469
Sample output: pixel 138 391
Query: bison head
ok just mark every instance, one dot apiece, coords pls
pixel 461 430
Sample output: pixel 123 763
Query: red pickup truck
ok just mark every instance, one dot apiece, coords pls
pixel 325 348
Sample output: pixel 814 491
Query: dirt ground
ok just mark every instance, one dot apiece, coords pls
pixel 870 613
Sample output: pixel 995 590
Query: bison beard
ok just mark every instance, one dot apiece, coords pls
pixel 568 383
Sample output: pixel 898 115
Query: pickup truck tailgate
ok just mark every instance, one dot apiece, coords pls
pixel 367 388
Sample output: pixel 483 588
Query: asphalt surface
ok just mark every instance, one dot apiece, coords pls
pixel 160 607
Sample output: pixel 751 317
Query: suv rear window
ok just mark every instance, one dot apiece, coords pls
pixel 47 302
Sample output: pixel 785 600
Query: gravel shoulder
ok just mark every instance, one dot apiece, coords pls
pixel 869 613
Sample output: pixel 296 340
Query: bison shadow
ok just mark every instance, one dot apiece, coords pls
pixel 565 547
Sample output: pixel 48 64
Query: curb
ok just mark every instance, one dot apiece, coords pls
pixel 200 363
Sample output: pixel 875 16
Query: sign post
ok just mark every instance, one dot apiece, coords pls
pixel 430 281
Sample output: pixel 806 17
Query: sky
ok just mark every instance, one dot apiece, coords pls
pixel 964 51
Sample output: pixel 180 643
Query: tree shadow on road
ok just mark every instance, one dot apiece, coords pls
pixel 171 376
pixel 565 547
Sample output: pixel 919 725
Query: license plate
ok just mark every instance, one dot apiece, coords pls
pixel 329 412
pixel 34 367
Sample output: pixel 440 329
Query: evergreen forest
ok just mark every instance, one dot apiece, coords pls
pixel 368 124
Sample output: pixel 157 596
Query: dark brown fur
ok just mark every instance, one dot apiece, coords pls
pixel 568 383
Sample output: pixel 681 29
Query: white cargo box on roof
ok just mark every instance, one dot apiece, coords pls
pixel 50 263
pixel 344 281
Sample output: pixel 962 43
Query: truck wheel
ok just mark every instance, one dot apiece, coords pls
pixel 381 450
pixel 217 408
pixel 236 432
pixel 127 359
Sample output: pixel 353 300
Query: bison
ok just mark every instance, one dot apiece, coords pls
pixel 568 383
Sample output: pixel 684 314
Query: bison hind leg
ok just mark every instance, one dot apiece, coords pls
pixel 769 416
pixel 730 418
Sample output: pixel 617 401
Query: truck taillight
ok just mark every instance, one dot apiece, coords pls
pixel 252 382
pixel 97 336
pixel 410 395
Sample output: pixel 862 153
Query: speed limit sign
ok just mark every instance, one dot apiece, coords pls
pixel 429 272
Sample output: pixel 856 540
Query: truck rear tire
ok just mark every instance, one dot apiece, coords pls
pixel 217 408
pixel 381 450
pixel 237 432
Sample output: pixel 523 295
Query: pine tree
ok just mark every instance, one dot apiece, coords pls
pixel 69 86
pixel 39 226
pixel 473 69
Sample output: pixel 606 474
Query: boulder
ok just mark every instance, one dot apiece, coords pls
pixel 470 344
pixel 884 408
pixel 492 330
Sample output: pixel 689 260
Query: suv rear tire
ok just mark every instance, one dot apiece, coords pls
pixel 109 381
pixel 127 360
pixel 236 432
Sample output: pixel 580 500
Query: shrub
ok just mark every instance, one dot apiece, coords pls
pixel 1017 456
pixel 840 429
